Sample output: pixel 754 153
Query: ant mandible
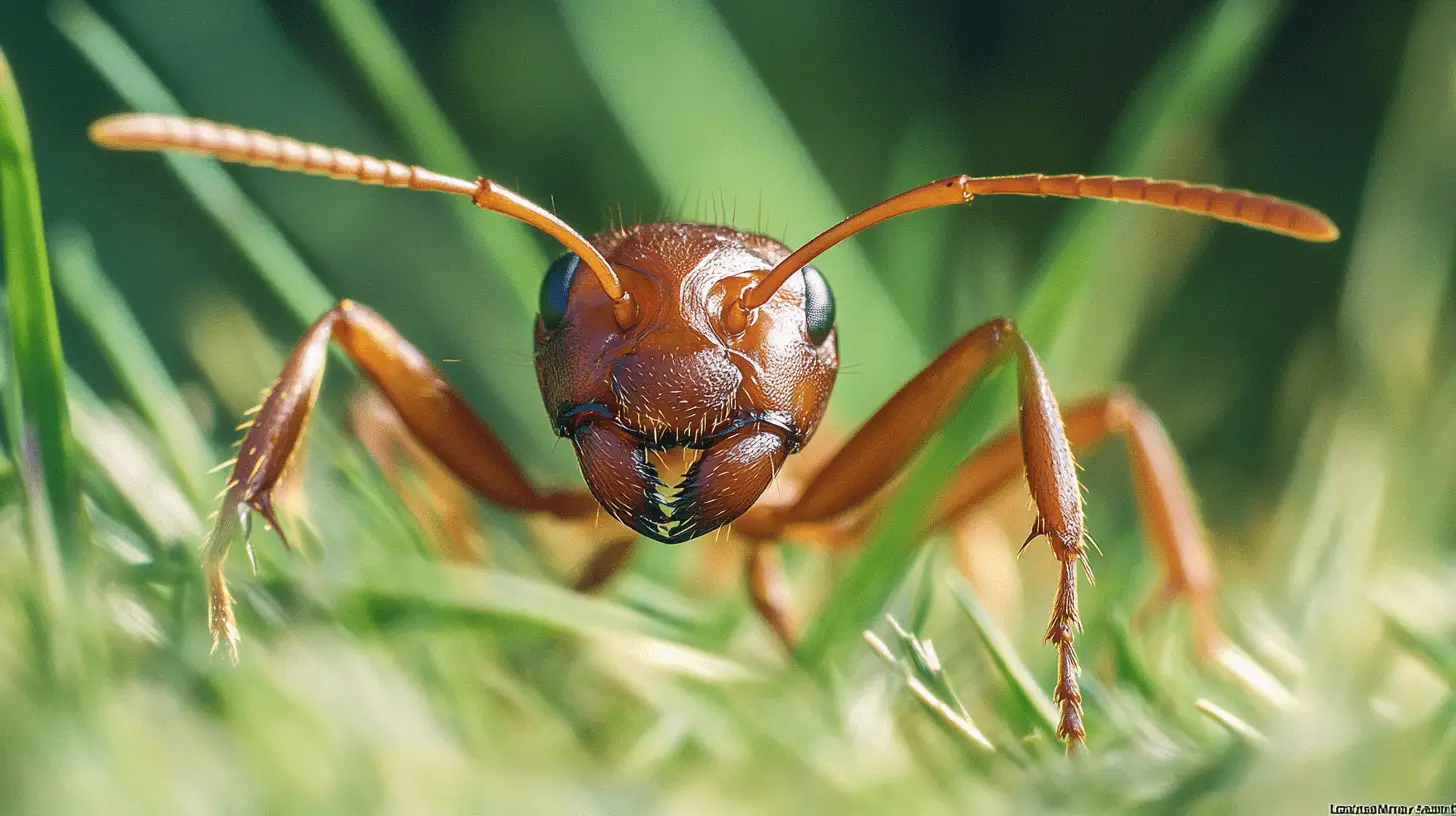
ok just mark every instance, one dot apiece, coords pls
pixel 723 342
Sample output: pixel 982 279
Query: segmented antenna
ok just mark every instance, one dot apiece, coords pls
pixel 230 143
pixel 1239 206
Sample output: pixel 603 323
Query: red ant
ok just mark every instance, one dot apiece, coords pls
pixel 680 335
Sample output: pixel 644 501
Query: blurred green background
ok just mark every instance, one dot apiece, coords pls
pixel 1307 386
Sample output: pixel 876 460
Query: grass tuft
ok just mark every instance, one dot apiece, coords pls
pixel 1028 694
pixel 38 376
pixel 927 681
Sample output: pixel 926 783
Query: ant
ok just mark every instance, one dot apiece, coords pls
pixel 722 343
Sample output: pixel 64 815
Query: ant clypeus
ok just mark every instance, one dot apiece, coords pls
pixel 705 338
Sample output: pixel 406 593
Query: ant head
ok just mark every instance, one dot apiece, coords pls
pixel 738 399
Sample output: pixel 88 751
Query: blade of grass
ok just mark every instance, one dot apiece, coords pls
pixel 1251 676
pixel 956 722
pixel 136 364
pixel 1132 663
pixel 1333 551
pixel 45 597
pixel 1235 724
pixel 35 336
pixel 922 658
pixel 1023 686
pixel 737 143
pixel 922 595
pixel 887 557
pixel 418 118
pixel 11 408
pixel 930 148
pixel 255 235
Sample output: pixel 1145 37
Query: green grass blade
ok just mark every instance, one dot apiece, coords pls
pixel 38 369
pixel 1023 686
pixel 735 142
pixel 45 596
pixel 135 363
pixel 1192 87
pixel 931 688
pixel 417 116
pixel 917 249
pixel 1131 661
pixel 245 224
pixel 10 407
pixel 1235 724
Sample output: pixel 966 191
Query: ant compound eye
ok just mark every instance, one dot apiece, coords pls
pixel 555 288
pixel 818 305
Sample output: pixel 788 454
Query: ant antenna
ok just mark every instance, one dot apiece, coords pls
pixel 1239 206
pixel 229 143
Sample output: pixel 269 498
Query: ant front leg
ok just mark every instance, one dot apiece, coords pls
pixel 1165 503
pixel 434 414
pixel 882 447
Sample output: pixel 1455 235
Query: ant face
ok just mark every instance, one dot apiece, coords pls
pixel 678 378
